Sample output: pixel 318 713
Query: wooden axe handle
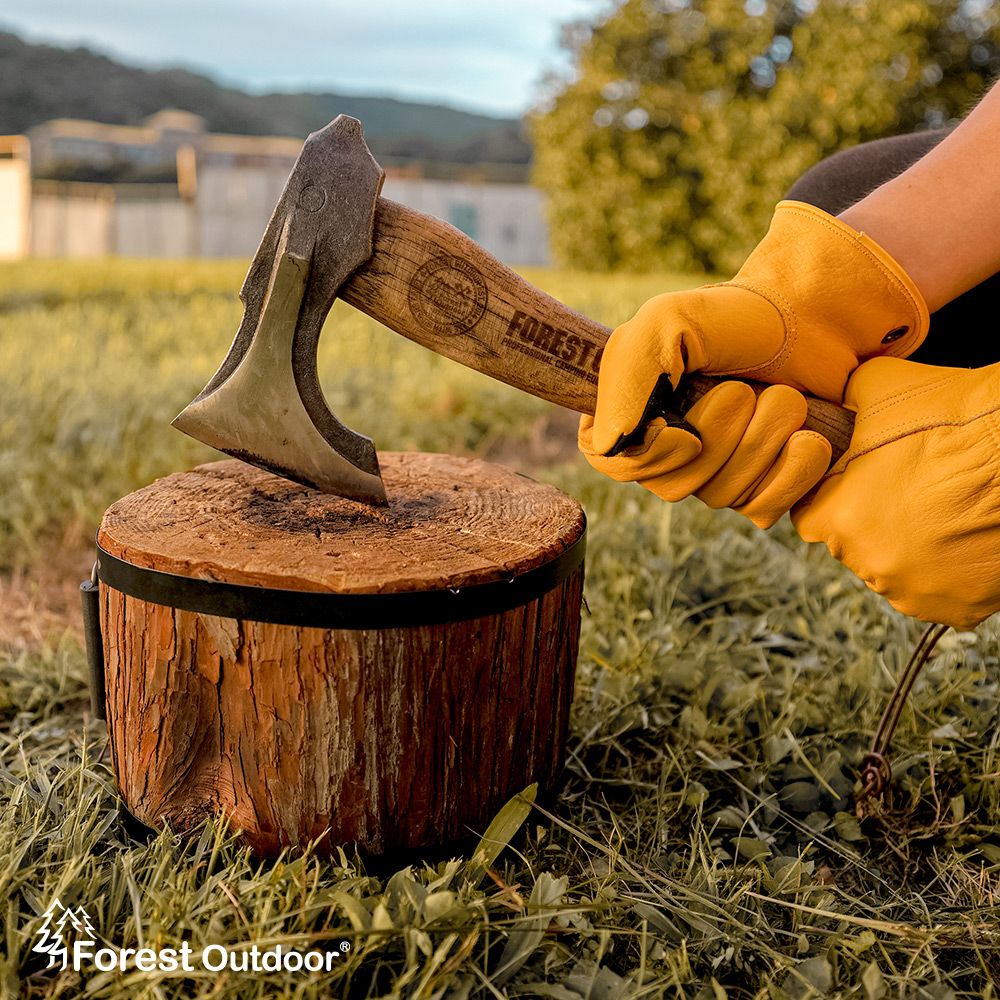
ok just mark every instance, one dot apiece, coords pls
pixel 434 285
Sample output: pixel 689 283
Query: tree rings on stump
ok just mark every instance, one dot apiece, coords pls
pixel 315 668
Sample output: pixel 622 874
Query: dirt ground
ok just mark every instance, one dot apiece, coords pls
pixel 45 601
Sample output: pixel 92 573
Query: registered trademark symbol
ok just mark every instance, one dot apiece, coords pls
pixel 345 945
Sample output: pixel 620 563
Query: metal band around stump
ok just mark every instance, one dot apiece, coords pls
pixel 322 609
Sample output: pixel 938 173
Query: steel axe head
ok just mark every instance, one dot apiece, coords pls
pixel 264 405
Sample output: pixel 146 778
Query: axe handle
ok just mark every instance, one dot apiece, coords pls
pixel 434 285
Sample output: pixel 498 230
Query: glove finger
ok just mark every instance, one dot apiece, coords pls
pixel 780 411
pixel 721 416
pixel 664 449
pixel 800 466
pixel 635 356
pixel 652 430
pixel 813 517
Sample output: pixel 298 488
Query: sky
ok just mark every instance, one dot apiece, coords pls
pixel 484 55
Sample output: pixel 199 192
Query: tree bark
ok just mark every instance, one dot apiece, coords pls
pixel 395 738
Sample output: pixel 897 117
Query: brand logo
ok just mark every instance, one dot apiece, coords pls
pixel 62 927
pixel 448 295
pixel 547 343
pixel 67 937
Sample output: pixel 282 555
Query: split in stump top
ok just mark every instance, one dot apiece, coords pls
pixel 451 522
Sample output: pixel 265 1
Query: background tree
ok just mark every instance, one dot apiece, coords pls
pixel 686 120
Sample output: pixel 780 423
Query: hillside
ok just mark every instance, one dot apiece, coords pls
pixel 40 82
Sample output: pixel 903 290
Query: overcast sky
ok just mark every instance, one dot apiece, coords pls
pixel 475 54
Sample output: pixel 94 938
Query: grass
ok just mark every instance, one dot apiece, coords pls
pixel 703 842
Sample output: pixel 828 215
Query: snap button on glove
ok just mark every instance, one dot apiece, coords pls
pixel 813 300
pixel 913 506
pixel 752 455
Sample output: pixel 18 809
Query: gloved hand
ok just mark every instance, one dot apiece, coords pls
pixel 913 506
pixel 813 300
pixel 752 455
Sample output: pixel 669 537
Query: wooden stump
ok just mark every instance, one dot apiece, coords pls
pixel 442 689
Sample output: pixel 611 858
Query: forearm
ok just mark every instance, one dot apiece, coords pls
pixel 940 218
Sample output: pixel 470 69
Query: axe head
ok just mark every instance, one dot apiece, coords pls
pixel 264 405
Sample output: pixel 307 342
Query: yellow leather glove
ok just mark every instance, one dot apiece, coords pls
pixel 913 506
pixel 813 300
pixel 752 455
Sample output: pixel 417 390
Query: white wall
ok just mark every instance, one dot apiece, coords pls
pixel 234 204
pixel 71 222
pixel 15 202
pixel 154 227
pixel 87 220
pixel 506 219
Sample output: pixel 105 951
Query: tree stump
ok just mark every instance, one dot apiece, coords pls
pixel 317 669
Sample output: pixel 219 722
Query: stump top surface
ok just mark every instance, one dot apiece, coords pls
pixel 450 522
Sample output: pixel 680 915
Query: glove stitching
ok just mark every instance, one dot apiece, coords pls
pixel 904 344
pixel 913 392
pixel 812 433
pixel 901 431
pixel 788 321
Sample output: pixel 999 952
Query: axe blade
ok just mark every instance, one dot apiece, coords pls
pixel 265 405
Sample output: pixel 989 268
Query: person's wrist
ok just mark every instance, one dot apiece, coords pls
pixel 909 253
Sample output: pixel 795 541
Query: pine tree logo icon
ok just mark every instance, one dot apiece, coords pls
pixel 60 925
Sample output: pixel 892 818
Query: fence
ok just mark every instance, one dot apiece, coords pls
pixel 228 212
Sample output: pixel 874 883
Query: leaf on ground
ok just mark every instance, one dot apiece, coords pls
pixel 356 911
pixel 848 827
pixel 800 796
pixel 813 977
pixel 500 832
pixel 751 848
pixel 545 897
pixel 873 983
pixel 604 984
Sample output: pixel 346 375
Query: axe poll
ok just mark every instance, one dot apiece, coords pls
pixel 330 235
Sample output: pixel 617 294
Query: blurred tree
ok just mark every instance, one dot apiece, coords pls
pixel 686 120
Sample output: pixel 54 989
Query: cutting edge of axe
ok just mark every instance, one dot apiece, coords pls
pixel 330 235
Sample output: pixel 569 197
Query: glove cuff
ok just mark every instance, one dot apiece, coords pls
pixel 878 270
pixel 844 299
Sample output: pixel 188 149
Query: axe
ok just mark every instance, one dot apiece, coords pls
pixel 332 234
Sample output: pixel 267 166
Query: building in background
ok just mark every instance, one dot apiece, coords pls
pixel 15 196
pixel 169 188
